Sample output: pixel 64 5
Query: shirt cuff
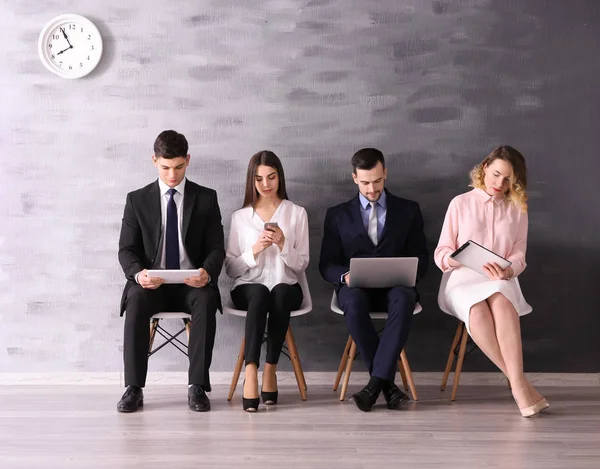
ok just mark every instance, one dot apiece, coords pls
pixel 136 276
pixel 249 258
pixel 342 278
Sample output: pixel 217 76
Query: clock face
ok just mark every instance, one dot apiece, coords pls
pixel 70 46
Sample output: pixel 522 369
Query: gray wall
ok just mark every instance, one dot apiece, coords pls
pixel 434 84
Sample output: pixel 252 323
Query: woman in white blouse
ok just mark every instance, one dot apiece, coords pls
pixel 266 252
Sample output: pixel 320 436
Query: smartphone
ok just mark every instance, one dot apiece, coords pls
pixel 270 226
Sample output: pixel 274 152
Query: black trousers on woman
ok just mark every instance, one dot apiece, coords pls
pixel 277 304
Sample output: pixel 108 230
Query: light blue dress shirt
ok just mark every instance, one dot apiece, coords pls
pixel 365 210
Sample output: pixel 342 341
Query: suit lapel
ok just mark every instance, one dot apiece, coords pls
pixel 189 199
pixel 155 216
pixel 389 214
pixel 358 218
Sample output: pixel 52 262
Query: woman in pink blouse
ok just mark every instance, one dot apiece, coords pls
pixel 493 214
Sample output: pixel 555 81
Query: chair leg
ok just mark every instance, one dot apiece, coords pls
pixel 459 363
pixel 450 361
pixel 402 374
pixel 302 378
pixel 153 326
pixel 188 328
pixel 238 369
pixel 409 376
pixel 350 362
pixel 296 365
pixel 343 362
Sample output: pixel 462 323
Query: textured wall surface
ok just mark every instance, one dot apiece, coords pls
pixel 434 84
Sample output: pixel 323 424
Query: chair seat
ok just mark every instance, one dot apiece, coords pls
pixel 305 307
pixel 172 315
pixel 335 307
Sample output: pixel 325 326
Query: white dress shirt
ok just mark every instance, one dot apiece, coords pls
pixel 272 266
pixel 184 260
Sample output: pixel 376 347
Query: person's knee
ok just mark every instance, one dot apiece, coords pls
pixel 203 300
pixel 259 297
pixel 498 300
pixel 139 300
pixel 401 295
pixel 479 313
pixel 281 295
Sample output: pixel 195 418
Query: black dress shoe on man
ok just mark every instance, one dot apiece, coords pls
pixel 197 399
pixel 366 398
pixel 394 397
pixel 132 400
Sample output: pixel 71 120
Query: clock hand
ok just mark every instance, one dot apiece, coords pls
pixel 65 35
pixel 64 50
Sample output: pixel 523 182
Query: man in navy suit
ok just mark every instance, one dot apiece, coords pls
pixel 171 223
pixel 375 223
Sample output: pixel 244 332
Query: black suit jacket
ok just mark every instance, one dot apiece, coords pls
pixel 345 237
pixel 202 232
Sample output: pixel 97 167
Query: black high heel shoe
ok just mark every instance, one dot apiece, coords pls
pixel 269 397
pixel 250 404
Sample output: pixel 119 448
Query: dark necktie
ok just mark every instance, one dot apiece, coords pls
pixel 171 235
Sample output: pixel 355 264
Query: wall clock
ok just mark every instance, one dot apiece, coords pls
pixel 70 46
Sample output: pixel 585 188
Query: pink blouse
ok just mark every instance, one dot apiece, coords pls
pixel 497 224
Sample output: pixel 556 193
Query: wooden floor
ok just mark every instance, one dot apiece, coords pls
pixel 78 427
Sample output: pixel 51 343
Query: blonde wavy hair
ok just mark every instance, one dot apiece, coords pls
pixel 516 193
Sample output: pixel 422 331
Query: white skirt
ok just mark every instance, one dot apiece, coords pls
pixel 462 287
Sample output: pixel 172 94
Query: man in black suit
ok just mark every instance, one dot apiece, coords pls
pixel 375 223
pixel 172 223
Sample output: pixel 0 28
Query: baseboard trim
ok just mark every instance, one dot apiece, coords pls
pixel 287 378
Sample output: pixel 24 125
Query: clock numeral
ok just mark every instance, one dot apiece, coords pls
pixel 88 57
pixel 81 29
pixel 92 48
pixel 80 65
pixel 70 67
pixel 50 46
pixel 60 63
pixel 53 56
pixel 72 26
pixel 89 37
pixel 55 36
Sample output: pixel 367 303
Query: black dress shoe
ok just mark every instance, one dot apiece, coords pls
pixel 366 398
pixel 132 400
pixel 197 399
pixel 394 397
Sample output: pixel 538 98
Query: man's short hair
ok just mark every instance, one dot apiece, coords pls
pixel 367 158
pixel 170 144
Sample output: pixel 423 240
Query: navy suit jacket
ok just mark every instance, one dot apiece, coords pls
pixel 345 237
pixel 202 232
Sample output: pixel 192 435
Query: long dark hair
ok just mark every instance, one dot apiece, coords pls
pixel 266 158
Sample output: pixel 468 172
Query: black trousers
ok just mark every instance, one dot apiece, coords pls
pixel 260 303
pixel 142 303
pixel 380 354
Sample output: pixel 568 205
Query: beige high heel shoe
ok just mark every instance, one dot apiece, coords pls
pixel 542 404
pixel 527 411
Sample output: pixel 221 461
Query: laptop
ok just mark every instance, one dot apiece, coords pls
pixel 383 272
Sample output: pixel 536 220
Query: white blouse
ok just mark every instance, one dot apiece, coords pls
pixel 272 266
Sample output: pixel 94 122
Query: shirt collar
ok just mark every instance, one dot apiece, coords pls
pixel 164 188
pixel 364 202
pixel 487 197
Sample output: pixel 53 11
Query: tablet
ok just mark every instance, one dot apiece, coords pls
pixel 475 256
pixel 173 276
pixel 383 272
